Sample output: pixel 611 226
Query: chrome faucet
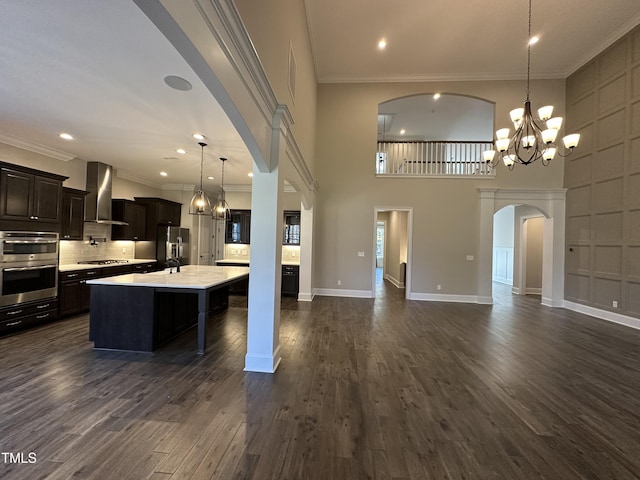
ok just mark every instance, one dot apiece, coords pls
pixel 173 262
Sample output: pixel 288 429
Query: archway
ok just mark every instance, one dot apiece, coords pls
pixel 551 204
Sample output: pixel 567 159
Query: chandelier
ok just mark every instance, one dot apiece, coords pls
pixel 200 204
pixel 221 207
pixel 533 139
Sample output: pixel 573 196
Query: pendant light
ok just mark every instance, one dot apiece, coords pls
pixel 200 203
pixel 221 208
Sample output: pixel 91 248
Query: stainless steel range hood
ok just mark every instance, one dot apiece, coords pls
pixel 98 200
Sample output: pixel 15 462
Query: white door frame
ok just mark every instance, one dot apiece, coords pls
pixel 409 210
pixel 521 288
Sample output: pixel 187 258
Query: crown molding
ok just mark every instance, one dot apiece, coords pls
pixel 612 38
pixel 443 77
pixel 180 187
pixel 247 188
pixel 36 147
pixel 125 175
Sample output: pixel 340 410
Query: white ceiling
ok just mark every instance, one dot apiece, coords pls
pixel 95 69
pixel 460 39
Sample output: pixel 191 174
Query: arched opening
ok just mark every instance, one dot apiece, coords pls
pixel 434 134
pixel 528 203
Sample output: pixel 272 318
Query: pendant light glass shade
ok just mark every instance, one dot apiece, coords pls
pixel 200 203
pixel 221 207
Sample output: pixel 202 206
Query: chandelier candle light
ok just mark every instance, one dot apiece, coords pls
pixel 200 204
pixel 221 208
pixel 533 139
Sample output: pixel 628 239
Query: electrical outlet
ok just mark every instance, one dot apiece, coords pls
pixel 439 287
pixel 615 304
pixel 361 254
pixel 339 282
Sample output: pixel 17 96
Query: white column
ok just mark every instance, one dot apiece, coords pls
pixel 265 277
pixel 553 250
pixel 485 246
pixel 305 293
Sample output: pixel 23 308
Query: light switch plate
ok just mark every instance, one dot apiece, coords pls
pixel 361 254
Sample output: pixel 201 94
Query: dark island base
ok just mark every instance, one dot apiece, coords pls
pixel 141 319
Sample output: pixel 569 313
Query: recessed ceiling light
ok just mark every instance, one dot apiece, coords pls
pixel 250 174
pixel 177 83
pixel 181 151
pixel 164 174
pixel 66 136
pixel 402 132
pixel 533 40
pixel 198 136
pixel 211 178
pixel 436 96
pixel 382 44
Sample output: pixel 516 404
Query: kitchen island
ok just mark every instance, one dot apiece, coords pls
pixel 140 312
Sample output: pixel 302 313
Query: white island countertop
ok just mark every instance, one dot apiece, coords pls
pixel 190 277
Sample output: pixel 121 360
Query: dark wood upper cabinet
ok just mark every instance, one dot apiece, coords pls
pixel 29 196
pixel 238 227
pixel 160 212
pixel 72 227
pixel 291 228
pixel 133 213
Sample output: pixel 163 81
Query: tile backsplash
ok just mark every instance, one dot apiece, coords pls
pixel 104 249
pixel 290 253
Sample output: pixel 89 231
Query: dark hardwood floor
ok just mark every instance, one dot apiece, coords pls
pixel 384 389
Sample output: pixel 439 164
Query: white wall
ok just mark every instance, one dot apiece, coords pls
pixel 503 234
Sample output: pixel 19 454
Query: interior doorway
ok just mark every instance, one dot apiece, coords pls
pixel 392 247
pixel 380 243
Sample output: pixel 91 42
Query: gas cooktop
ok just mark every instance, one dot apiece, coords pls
pixel 103 262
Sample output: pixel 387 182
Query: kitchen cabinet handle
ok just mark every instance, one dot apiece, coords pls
pixel 43 306
pixel 15 312
pixel 24 269
pixel 71 275
pixel 13 324
pixel 40 317
pixel 35 240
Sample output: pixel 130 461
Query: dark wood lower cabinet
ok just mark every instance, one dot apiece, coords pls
pixel 73 291
pixel 74 294
pixel 290 280
pixel 24 315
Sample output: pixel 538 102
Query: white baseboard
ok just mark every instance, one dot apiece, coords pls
pixel 515 290
pixel 534 291
pixel 262 363
pixel 306 297
pixel 431 297
pixel 603 314
pixel 395 282
pixel 338 292
pixel 485 300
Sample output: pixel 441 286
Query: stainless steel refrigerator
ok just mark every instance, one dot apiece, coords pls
pixel 172 242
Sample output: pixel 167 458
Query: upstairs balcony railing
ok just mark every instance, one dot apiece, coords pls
pixel 433 159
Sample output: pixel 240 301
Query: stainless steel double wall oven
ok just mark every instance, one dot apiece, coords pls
pixel 28 266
